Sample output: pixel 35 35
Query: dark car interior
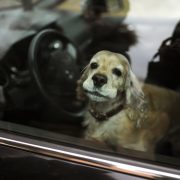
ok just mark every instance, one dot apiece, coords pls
pixel 44 57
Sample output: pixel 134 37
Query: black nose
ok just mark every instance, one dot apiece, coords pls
pixel 99 80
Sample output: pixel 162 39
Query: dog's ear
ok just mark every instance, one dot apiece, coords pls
pixel 135 97
pixel 79 90
pixel 133 89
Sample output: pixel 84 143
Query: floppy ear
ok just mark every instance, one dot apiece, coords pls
pixel 133 89
pixel 135 98
pixel 79 90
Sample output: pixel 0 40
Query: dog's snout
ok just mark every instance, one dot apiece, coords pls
pixel 99 80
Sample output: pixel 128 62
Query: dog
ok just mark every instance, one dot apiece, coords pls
pixel 122 112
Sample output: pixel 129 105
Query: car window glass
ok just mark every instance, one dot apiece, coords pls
pixel 48 88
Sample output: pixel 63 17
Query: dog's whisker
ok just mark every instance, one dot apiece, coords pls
pixel 84 69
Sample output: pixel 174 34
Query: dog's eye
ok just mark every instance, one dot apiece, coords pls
pixel 94 65
pixel 117 72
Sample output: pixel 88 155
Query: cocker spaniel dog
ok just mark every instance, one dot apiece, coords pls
pixel 122 112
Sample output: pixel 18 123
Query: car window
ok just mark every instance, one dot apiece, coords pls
pixel 101 75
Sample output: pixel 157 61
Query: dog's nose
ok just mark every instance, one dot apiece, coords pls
pixel 99 80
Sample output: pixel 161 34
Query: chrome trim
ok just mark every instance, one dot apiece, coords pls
pixel 97 160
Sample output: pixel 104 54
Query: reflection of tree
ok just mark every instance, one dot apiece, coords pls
pixel 115 37
pixel 94 8
pixel 27 4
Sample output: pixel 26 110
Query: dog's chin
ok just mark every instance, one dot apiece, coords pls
pixel 96 98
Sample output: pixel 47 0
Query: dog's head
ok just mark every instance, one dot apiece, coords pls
pixel 107 76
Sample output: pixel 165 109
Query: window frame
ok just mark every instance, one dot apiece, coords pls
pixel 77 154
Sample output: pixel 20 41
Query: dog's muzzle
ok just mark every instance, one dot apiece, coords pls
pixel 99 80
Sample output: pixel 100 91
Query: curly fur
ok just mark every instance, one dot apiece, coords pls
pixel 146 112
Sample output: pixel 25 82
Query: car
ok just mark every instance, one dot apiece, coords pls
pixel 44 47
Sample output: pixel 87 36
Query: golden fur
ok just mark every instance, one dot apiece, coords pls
pixel 147 109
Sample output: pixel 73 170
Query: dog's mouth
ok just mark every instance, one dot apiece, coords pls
pixel 95 93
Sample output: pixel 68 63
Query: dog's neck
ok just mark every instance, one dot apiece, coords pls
pixel 103 110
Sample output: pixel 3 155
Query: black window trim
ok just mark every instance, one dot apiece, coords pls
pixel 89 158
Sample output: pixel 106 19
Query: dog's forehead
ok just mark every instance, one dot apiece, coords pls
pixel 110 59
